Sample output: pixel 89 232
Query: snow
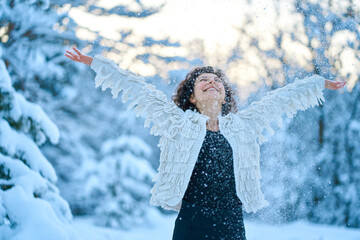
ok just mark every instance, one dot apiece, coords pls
pixel 34 213
pixel 354 125
pixel 23 110
pixel 300 230
pixel 18 144
pixel 134 144
pixel 117 187
pixel 35 112
pixel 5 81
pixel 163 226
pixel 22 175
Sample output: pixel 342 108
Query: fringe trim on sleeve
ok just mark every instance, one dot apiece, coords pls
pixel 146 101
pixel 299 95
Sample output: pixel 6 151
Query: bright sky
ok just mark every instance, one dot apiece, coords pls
pixel 216 22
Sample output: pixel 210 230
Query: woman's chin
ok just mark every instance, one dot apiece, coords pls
pixel 214 99
pixel 214 96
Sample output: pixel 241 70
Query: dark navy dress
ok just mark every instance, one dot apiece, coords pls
pixel 210 208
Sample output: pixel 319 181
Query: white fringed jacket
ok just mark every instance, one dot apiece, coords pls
pixel 183 132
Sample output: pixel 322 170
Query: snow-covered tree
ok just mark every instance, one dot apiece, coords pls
pixel 310 170
pixel 119 184
pixel 333 182
pixel 29 199
pixel 34 35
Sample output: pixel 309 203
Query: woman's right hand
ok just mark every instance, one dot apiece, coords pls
pixel 79 57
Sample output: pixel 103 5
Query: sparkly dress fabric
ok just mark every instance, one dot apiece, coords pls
pixel 210 207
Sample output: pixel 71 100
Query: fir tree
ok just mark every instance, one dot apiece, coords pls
pixel 29 198
pixel 119 184
pixel 310 171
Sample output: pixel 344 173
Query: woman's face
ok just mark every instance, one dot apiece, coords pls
pixel 208 87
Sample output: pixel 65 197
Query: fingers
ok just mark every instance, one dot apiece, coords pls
pixel 341 84
pixel 71 57
pixel 77 51
pixel 72 54
pixel 334 85
pixel 66 55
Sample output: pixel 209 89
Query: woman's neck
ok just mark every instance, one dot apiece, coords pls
pixel 213 111
pixel 213 125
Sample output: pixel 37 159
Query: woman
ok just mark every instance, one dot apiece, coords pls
pixel 209 163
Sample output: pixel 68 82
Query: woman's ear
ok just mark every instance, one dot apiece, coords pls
pixel 192 98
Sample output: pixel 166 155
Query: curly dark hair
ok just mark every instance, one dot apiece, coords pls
pixel 186 88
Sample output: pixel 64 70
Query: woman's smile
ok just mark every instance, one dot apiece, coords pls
pixel 211 88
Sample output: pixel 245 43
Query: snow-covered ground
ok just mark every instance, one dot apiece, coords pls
pixel 162 228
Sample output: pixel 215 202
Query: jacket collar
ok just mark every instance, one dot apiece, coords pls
pixel 229 116
pixel 222 119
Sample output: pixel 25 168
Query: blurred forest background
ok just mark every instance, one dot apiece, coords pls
pixel 104 159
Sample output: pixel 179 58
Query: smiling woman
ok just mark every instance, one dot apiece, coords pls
pixel 194 93
pixel 210 153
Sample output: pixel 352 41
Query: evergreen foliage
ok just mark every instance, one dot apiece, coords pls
pixel 119 184
pixel 310 167
pixel 28 195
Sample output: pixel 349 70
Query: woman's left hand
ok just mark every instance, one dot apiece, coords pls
pixel 79 57
pixel 334 85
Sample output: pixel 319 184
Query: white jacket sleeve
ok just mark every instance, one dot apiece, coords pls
pixel 147 102
pixel 299 95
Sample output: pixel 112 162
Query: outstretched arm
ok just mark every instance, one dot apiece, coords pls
pixel 299 95
pixel 147 102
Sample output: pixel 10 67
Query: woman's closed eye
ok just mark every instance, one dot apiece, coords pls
pixel 205 79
